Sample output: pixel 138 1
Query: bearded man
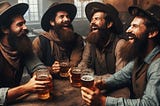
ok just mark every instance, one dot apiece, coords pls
pixel 102 50
pixel 59 40
pixel 15 53
pixel 142 73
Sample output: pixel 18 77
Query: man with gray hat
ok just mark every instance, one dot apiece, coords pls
pixel 102 49
pixel 142 73
pixel 59 41
pixel 15 53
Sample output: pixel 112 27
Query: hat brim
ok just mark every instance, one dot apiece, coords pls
pixel 69 8
pixel 107 8
pixel 19 9
pixel 135 11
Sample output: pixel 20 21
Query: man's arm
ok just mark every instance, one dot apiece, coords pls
pixel 119 62
pixel 151 95
pixel 76 54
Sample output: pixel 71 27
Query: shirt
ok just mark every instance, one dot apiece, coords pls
pixel 151 96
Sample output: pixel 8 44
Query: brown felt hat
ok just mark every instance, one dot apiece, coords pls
pixel 6 9
pixel 93 7
pixel 152 13
pixel 55 7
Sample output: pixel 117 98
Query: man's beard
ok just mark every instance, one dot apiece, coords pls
pixel 99 38
pixel 21 43
pixel 135 50
pixel 65 35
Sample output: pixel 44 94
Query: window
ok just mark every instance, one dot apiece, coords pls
pixel 33 13
pixel 81 4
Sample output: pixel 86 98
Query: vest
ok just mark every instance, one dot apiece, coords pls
pixel 110 59
pixel 139 78
pixel 47 57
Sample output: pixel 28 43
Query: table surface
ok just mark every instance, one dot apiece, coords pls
pixel 63 95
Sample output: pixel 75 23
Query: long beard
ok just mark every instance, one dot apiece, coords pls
pixel 65 35
pixel 21 43
pixel 98 38
pixel 137 49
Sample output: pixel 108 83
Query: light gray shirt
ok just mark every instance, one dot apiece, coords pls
pixel 151 96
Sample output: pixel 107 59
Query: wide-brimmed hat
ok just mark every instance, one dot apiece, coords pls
pixel 55 7
pixel 152 13
pixel 6 10
pixel 93 7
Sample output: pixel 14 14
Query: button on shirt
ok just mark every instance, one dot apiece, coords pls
pixel 151 96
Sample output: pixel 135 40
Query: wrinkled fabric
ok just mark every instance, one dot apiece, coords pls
pixel 73 52
pixel 151 96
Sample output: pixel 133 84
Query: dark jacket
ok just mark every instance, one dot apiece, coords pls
pixel 49 48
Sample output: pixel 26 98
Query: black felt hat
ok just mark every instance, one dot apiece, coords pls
pixel 6 10
pixel 152 13
pixel 55 7
pixel 92 7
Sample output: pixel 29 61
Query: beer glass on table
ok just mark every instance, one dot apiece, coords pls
pixel 43 75
pixel 64 68
pixel 87 78
pixel 75 76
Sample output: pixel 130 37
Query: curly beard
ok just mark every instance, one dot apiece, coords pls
pixel 65 35
pixel 21 43
pixel 137 49
pixel 98 38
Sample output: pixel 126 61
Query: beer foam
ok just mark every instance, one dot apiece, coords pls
pixel 87 78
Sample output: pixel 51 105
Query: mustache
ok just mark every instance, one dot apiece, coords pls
pixel 23 32
pixel 130 36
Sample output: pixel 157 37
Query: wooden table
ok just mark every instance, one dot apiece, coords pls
pixel 63 95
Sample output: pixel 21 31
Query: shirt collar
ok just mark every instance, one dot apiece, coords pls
pixel 152 54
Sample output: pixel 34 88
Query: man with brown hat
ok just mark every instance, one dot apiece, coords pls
pixel 142 73
pixel 15 53
pixel 103 45
pixel 59 41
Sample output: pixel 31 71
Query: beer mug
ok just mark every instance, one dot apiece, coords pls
pixel 75 76
pixel 87 78
pixel 43 75
pixel 64 68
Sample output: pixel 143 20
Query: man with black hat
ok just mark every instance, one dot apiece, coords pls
pixel 59 41
pixel 142 73
pixel 15 53
pixel 101 52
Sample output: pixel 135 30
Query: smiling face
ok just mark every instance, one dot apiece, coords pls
pixel 138 40
pixel 98 22
pixel 62 19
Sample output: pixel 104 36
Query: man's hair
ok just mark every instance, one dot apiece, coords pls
pixel 108 18
pixel 151 27
pixel 6 24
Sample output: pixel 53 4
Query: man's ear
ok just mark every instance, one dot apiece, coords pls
pixel 5 30
pixel 51 22
pixel 109 25
pixel 153 34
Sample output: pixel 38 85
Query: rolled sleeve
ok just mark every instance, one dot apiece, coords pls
pixel 3 95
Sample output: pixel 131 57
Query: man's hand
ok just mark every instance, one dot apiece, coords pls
pixel 33 85
pixel 93 98
pixel 56 67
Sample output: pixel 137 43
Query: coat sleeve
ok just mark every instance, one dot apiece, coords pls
pixel 119 62
pixel 86 57
pixel 76 54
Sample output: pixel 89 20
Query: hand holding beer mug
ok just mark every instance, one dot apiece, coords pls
pixel 75 76
pixel 64 68
pixel 43 75
pixel 87 78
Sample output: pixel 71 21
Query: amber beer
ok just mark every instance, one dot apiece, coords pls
pixel 75 77
pixel 64 69
pixel 43 75
pixel 87 81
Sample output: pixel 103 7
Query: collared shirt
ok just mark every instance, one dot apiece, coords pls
pixel 151 96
